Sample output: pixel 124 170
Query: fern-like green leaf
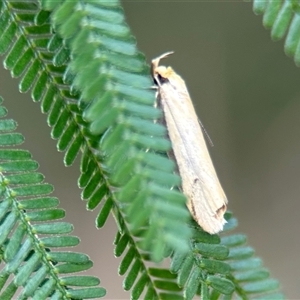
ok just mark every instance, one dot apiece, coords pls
pixel 223 268
pixel 251 279
pixel 32 265
pixel 282 17
pixel 118 104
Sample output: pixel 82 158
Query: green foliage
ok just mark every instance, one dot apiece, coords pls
pixel 117 103
pixel 223 268
pixel 250 279
pixel 283 18
pixel 28 210
pixel 80 61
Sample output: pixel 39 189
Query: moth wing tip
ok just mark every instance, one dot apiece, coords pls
pixel 213 226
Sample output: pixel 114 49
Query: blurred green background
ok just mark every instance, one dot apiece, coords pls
pixel 247 95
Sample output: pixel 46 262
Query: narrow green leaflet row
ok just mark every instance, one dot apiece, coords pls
pixel 118 104
pixel 144 282
pixel 33 268
pixel 283 18
pixel 216 268
pixel 223 268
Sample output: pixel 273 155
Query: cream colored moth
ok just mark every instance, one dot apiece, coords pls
pixel 200 184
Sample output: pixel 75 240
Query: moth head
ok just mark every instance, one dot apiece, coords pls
pixel 161 74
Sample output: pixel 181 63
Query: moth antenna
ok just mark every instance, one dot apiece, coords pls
pixel 155 62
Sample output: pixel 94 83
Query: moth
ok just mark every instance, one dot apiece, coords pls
pixel 207 201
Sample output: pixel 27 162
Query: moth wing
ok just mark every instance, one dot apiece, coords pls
pixel 208 202
pixel 206 198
